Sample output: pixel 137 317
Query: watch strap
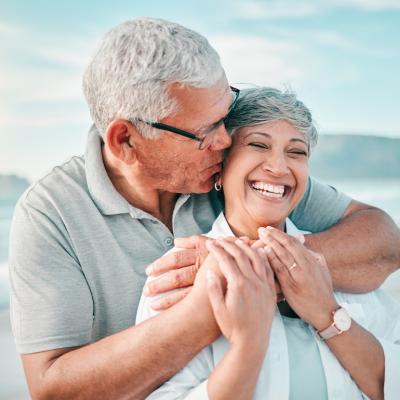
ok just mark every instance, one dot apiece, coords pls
pixel 329 332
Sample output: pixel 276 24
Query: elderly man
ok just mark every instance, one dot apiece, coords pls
pixel 83 235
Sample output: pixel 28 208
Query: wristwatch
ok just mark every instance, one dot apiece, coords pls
pixel 341 323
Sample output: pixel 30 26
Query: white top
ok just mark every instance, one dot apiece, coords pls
pixel 375 311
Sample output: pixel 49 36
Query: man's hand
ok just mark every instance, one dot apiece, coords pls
pixel 176 270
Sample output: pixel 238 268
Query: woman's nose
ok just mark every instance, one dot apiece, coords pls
pixel 276 164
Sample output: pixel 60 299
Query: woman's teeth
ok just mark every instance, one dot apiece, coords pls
pixel 268 190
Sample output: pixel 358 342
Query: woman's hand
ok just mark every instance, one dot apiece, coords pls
pixel 242 294
pixel 303 275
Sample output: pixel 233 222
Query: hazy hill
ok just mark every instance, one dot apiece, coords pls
pixel 356 156
pixel 11 187
pixel 334 157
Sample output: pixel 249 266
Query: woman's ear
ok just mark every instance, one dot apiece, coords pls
pixel 119 140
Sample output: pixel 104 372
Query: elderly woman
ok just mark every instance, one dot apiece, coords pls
pixel 317 343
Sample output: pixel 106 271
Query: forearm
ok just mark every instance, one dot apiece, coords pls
pixel 361 250
pixel 236 375
pixel 131 363
pixel 362 356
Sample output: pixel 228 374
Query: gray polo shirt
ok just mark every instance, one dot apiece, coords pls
pixel 78 250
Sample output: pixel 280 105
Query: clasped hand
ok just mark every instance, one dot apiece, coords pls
pixel 307 286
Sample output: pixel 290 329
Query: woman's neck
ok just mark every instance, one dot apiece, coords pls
pixel 250 228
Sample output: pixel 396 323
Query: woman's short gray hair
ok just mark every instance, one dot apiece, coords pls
pixel 264 104
pixel 129 74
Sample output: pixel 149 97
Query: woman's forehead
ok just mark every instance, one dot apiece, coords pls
pixel 269 130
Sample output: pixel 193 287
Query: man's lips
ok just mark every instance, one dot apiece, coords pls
pixel 210 171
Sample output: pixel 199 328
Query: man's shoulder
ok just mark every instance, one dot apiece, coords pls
pixel 65 182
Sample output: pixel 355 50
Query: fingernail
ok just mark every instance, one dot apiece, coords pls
pixel 146 291
pixel 262 231
pixel 301 238
pixel 267 249
pixel 155 305
pixel 149 270
pixel 239 241
pixel 270 228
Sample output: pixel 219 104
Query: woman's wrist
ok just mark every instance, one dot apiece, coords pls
pixel 324 318
pixel 250 349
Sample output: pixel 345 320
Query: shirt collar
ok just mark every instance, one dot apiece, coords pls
pixel 108 200
pixel 222 228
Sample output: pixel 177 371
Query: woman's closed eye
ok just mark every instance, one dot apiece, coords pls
pixel 259 145
pixel 298 152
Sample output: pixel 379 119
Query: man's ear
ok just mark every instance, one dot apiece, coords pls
pixel 119 140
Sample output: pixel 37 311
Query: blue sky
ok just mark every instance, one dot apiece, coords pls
pixel 342 57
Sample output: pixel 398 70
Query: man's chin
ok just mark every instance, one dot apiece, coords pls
pixel 203 187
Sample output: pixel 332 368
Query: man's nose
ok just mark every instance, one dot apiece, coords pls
pixel 221 140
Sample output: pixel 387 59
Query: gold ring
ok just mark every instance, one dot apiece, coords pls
pixel 294 265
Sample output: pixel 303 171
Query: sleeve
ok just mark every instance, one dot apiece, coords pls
pixel 51 304
pixel 389 338
pixel 191 381
pixel 321 207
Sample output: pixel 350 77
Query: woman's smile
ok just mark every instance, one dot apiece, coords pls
pixel 270 190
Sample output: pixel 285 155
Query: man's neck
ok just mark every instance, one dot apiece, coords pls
pixel 160 204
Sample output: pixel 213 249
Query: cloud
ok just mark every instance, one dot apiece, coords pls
pixel 42 68
pixel 372 5
pixel 259 60
pixel 255 9
pixel 39 77
pixel 276 9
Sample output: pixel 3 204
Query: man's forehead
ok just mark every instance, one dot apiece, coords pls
pixel 185 93
pixel 210 103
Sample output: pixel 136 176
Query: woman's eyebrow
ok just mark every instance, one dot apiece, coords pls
pixel 267 135
pixel 299 140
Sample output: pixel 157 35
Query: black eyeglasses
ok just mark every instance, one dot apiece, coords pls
pixel 205 138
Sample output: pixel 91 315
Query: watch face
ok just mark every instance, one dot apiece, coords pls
pixel 342 319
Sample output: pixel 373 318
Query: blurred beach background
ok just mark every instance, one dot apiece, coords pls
pixel 342 57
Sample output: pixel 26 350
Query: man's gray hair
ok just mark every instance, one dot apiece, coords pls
pixel 129 74
pixel 259 105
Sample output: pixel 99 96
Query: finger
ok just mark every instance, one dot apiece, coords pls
pixel 258 244
pixel 191 242
pixel 215 293
pixel 171 280
pixel 226 263
pixel 280 270
pixel 290 243
pixel 194 242
pixel 171 261
pixel 281 252
pixel 245 239
pixel 269 271
pixel 169 300
pixel 242 260
pixel 257 258
pixel 300 237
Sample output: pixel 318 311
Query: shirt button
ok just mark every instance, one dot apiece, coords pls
pixel 168 241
